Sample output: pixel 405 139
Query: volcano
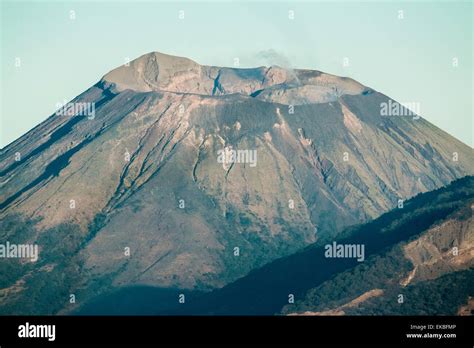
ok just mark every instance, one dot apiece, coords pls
pixel 157 193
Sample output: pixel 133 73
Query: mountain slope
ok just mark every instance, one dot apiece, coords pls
pixel 408 251
pixel 143 173
pixel 436 280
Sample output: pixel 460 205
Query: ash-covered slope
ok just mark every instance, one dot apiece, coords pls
pixel 143 173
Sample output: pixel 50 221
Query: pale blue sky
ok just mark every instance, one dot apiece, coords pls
pixel 408 59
